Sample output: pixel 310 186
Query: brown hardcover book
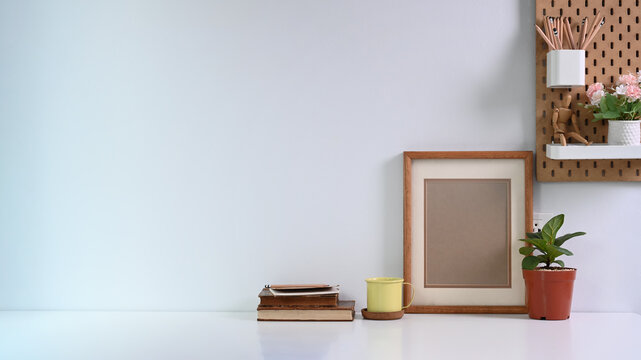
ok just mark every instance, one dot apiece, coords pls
pixel 344 311
pixel 268 299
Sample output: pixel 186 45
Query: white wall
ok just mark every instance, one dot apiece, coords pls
pixel 179 155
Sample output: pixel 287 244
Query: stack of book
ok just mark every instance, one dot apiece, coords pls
pixel 314 302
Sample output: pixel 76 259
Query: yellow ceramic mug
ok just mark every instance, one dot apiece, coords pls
pixel 385 294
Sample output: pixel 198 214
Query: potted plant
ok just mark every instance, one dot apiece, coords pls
pixel 548 288
pixel 621 106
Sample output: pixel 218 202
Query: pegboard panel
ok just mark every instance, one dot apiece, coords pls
pixel 615 50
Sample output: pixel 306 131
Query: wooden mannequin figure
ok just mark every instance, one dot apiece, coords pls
pixel 565 124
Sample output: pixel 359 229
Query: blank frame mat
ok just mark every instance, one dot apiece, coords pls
pixel 467 169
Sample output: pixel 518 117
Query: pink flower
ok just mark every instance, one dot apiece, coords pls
pixel 592 89
pixel 633 93
pixel 621 89
pixel 596 97
pixel 627 80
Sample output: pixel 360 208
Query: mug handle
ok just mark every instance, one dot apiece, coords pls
pixel 410 303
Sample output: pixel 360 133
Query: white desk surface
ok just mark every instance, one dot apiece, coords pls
pixel 209 335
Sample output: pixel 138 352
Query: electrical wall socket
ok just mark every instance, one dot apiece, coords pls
pixel 539 219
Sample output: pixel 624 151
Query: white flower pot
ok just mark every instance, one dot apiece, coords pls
pixel 624 132
pixel 565 68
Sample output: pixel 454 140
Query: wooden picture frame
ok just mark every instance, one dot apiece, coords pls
pixel 448 196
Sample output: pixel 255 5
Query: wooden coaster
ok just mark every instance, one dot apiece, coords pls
pixel 395 315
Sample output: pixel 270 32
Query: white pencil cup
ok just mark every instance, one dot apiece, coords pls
pixel 565 68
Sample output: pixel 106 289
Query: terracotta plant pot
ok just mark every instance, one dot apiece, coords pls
pixel 549 293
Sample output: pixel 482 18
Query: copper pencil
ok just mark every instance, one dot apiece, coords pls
pixel 582 33
pixel 594 33
pixel 559 25
pixel 538 29
pixel 569 35
pixel 592 27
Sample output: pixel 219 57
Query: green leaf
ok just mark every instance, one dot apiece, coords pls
pixel 603 104
pixel 551 228
pixel 543 258
pixel 611 102
pixel 553 252
pixel 538 243
pixel 561 239
pixel 534 235
pixel 530 262
pixel 560 262
pixel 562 250
pixel 611 115
pixel 526 250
